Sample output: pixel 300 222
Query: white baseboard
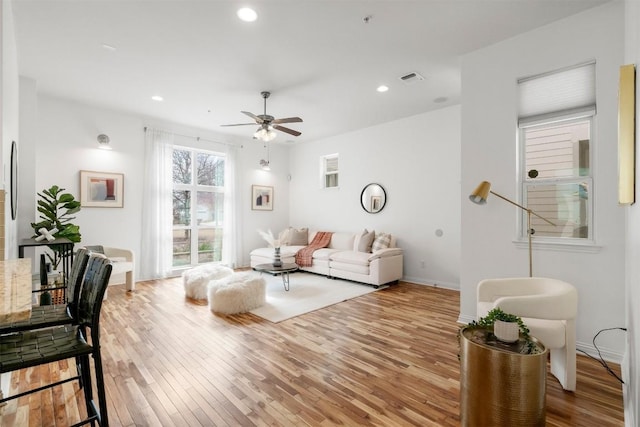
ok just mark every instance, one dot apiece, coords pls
pixel 434 283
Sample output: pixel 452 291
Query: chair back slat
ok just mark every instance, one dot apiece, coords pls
pixel 94 285
pixel 76 276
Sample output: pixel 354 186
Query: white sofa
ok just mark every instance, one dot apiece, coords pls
pixel 341 259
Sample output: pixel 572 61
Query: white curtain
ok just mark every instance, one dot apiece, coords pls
pixel 156 246
pixel 231 232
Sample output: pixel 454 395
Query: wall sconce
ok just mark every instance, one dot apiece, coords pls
pixel 103 142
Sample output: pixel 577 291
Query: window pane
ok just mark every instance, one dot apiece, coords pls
pixel 181 207
pixel 566 205
pixel 181 167
pixel 181 247
pixel 210 208
pixel 331 180
pixel 210 169
pixel 209 245
pixel 331 164
pixel 557 151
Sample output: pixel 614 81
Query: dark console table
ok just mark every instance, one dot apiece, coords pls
pixel 66 247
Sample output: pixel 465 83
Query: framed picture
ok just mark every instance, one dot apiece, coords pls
pixel 626 135
pixel 376 202
pixel 261 198
pixel 101 189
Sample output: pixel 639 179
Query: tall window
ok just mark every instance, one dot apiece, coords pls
pixel 198 202
pixel 330 170
pixel 555 134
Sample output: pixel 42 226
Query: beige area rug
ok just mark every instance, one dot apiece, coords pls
pixel 307 292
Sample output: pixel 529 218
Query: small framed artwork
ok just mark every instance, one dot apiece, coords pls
pixel 376 202
pixel 101 189
pixel 261 198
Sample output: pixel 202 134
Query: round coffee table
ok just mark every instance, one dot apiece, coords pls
pixel 284 270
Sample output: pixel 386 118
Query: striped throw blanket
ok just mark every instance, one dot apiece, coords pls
pixel 304 257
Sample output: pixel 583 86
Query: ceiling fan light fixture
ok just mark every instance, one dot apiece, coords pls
pixel 265 133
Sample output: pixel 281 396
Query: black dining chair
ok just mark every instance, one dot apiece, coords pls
pixel 26 349
pixel 44 316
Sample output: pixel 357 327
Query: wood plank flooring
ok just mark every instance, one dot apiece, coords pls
pixel 384 359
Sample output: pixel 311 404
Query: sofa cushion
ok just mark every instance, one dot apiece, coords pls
pixel 352 268
pixel 382 241
pixel 342 241
pixel 323 254
pixel 298 237
pixel 285 251
pixel 364 240
pixel 350 257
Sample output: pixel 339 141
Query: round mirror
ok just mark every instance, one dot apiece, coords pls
pixel 373 198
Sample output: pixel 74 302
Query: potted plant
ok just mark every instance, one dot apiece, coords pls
pixel 507 327
pixel 56 209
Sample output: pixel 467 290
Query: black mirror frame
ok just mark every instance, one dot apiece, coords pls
pixel 383 203
pixel 14 180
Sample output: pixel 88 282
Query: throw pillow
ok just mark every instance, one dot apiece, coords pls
pixel 298 237
pixel 365 241
pixel 283 237
pixel 382 241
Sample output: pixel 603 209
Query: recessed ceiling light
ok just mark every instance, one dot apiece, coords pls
pixel 382 88
pixel 108 47
pixel 157 98
pixel 247 14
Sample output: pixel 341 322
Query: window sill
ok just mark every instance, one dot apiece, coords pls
pixel 586 247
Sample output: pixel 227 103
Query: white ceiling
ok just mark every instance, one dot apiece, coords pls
pixel 319 58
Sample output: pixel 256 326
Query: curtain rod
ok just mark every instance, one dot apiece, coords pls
pixel 197 138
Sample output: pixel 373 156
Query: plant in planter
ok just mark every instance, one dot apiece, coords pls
pixel 498 321
pixel 56 209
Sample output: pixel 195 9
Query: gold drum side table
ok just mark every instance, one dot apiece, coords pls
pixel 499 385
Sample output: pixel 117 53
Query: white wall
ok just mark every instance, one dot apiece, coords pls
pixel 9 119
pixel 631 372
pixel 65 143
pixel 416 160
pixel 489 153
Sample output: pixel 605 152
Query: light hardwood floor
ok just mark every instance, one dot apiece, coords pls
pixel 386 359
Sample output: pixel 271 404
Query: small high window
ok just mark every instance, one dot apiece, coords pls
pixel 330 170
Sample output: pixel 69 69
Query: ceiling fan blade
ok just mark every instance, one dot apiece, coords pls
pixel 241 124
pixel 253 116
pixel 288 120
pixel 287 130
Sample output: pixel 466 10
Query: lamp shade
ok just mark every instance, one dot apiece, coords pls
pixel 481 193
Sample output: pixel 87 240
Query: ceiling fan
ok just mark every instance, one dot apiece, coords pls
pixel 268 123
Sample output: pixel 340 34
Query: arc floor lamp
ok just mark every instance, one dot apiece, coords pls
pixel 479 196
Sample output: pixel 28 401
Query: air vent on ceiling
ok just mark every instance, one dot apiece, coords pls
pixel 411 78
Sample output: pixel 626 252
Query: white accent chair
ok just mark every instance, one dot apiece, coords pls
pixel 548 307
pixel 124 266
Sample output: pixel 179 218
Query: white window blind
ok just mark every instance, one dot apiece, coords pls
pixel 566 91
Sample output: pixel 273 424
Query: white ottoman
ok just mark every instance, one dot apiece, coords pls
pixel 237 293
pixel 196 279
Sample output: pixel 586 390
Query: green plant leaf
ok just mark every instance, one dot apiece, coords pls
pixel 56 209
